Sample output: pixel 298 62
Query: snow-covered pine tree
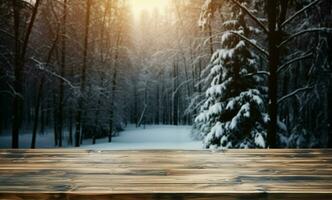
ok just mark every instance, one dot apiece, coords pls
pixel 233 115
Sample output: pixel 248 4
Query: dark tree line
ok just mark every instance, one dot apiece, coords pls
pixel 86 69
pixel 57 59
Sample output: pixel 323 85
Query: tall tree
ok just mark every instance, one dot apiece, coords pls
pixel 20 50
pixel 233 114
pixel 62 74
pixel 274 38
pixel 83 75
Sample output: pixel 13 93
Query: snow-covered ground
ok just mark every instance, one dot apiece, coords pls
pixel 152 137
pixel 43 140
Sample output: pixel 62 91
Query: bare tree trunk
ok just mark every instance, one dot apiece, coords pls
pixel 135 105
pixel 273 38
pixel 175 98
pixel 19 56
pixel 42 118
pixel 70 141
pixel 114 82
pixel 210 39
pixel 55 119
pixel 62 74
pixel 114 85
pixel 157 113
pixel 97 126
pixel 18 102
pixel 284 110
pixel 37 111
pixel 329 121
pixel 39 97
pixel 1 116
pixel 83 76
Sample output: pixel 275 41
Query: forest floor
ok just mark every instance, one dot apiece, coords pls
pixel 132 138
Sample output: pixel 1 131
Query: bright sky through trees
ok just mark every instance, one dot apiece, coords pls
pixel 147 5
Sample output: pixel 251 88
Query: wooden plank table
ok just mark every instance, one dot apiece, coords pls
pixel 159 174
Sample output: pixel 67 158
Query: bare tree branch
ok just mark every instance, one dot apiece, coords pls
pixel 324 29
pixel 14 92
pixel 294 93
pixel 282 67
pixel 299 12
pixel 180 86
pixel 42 68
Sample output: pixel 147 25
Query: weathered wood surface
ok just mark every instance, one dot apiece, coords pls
pixel 233 174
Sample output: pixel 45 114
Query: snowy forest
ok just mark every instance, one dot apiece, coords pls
pixel 227 73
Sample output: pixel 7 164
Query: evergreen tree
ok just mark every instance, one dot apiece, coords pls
pixel 233 115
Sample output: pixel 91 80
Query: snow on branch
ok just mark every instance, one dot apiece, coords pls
pixel 294 93
pixel 198 58
pixel 180 86
pixel 13 92
pixel 252 16
pixel 299 12
pixel 42 68
pixel 260 49
pixel 323 29
pixel 265 73
pixel 282 67
pixel 194 104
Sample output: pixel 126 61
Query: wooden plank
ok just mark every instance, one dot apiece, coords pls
pixel 179 196
pixel 166 174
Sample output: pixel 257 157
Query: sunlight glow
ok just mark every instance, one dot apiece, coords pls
pixel 139 6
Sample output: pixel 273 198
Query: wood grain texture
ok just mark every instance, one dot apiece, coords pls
pixel 165 174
